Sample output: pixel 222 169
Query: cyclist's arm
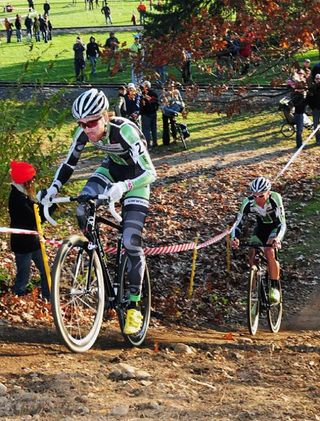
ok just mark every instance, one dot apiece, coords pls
pixel 280 215
pixel 237 226
pixel 139 156
pixel 65 171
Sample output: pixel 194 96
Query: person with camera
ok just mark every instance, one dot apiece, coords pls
pixel 79 62
pixel 172 104
pixel 149 105
pixel 131 105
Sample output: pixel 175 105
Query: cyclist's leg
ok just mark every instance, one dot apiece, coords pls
pixel 135 211
pixel 273 264
pixel 96 184
pixel 257 238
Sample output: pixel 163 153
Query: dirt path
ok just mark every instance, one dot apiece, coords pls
pixel 180 373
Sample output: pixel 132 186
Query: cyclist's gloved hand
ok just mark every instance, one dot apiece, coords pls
pixel 45 195
pixel 117 190
pixel 235 243
pixel 276 243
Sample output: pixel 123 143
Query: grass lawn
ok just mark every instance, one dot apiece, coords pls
pixel 72 14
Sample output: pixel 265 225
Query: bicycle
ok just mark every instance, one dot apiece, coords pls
pixel 83 290
pixel 179 131
pixel 258 293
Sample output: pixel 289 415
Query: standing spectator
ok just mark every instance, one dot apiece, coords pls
pixel 142 9
pixel 148 109
pixel 313 100
pixel 171 104
pixel 298 98
pixel 49 26
pixel 79 62
pixel 134 19
pixel 36 29
pixel 119 108
pixel 107 13
pixel 18 26
pixel 136 57
pixel 90 4
pixel 30 5
pixel 112 45
pixel 307 69
pixel 131 106
pixel 26 248
pixel 28 24
pixel 46 8
pixel 43 27
pixel 93 53
pixel 186 66
pixel 8 26
pixel 151 5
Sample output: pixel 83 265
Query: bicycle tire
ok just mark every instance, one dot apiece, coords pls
pixel 287 130
pixel 180 136
pixel 274 314
pixel 145 305
pixel 78 297
pixel 253 300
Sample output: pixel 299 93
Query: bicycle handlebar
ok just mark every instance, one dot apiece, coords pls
pixel 79 199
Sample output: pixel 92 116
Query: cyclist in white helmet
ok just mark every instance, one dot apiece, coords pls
pixel 267 207
pixel 126 171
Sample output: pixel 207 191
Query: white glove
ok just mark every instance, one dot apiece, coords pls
pixel 45 195
pixel 116 191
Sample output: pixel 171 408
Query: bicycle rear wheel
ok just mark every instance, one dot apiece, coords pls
pixel 253 300
pixel 144 305
pixel 274 314
pixel 78 294
pixel 287 130
pixel 180 136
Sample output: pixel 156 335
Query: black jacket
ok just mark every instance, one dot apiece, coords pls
pixel 22 216
pixel 149 106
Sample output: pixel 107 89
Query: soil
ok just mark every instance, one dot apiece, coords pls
pixel 202 372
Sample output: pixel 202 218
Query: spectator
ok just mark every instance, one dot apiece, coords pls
pixel 79 61
pixel 171 104
pixel 49 26
pixel 148 110
pixel 28 24
pixel 107 13
pixel 18 26
pixel 134 19
pixel 43 27
pixel 315 70
pixel 298 98
pixel 90 4
pixel 313 100
pixel 36 29
pixel 31 5
pixel 136 57
pixel 142 9
pixel 186 66
pixel 119 108
pixel 112 45
pixel 307 69
pixel 26 248
pixel 131 105
pixel 46 8
pixel 8 27
pixel 151 5
pixel 93 53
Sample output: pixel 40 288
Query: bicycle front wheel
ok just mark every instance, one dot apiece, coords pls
pixel 144 305
pixel 78 294
pixel 287 130
pixel 274 314
pixel 253 300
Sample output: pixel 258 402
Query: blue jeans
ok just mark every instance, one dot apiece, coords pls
pixel 316 119
pixel 23 262
pixel 93 62
pixel 149 128
pixel 298 120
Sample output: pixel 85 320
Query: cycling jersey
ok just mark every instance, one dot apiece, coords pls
pixel 270 218
pixel 127 155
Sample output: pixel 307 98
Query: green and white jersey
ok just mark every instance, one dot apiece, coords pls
pixel 271 215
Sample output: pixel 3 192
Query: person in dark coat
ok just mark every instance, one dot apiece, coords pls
pixel 93 53
pixel 79 61
pixel 25 247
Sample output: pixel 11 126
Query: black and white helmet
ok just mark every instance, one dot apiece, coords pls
pixel 91 103
pixel 260 184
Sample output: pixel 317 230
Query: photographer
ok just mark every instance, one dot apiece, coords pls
pixel 148 110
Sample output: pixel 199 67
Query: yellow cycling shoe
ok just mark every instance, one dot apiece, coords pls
pixel 133 322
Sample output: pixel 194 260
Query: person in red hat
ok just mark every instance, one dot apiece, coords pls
pixel 26 248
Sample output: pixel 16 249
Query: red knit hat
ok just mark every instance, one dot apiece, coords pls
pixel 21 172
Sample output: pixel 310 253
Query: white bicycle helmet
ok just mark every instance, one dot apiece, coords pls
pixel 260 184
pixel 91 103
